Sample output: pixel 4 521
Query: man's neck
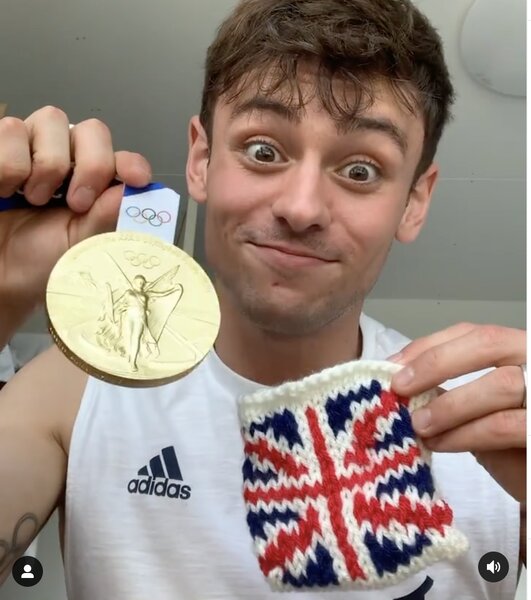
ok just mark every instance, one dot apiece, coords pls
pixel 271 359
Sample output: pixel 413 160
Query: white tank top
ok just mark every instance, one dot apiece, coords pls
pixel 154 507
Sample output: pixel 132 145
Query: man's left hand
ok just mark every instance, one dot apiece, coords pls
pixel 486 416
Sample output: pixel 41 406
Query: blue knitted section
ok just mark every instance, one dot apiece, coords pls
pixel 281 424
pixel 422 481
pixel 401 428
pixel 319 573
pixel 339 409
pixel 257 520
pixel 253 475
pixel 387 556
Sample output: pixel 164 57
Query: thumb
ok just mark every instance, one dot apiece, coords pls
pixel 101 218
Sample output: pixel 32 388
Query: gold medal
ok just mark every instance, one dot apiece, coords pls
pixel 132 309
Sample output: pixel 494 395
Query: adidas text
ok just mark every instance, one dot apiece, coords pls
pixel 162 487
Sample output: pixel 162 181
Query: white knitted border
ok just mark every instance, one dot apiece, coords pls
pixel 330 382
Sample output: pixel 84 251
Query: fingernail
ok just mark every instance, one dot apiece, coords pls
pixel 395 357
pixel 421 419
pixel 83 198
pixel 40 194
pixel 404 376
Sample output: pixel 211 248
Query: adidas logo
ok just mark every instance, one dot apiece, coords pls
pixel 165 467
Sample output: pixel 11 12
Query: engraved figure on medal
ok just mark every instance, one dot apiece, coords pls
pixel 130 319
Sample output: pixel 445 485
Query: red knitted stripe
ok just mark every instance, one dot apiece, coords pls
pixel 282 550
pixel 283 493
pixel 371 511
pixel 333 489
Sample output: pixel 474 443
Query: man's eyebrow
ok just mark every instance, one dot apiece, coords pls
pixel 264 104
pixel 293 115
pixel 383 125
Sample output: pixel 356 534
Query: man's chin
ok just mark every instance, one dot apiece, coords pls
pixel 285 319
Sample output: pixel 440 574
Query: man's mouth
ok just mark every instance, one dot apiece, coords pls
pixel 289 256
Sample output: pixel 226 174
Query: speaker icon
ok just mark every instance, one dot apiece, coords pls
pixel 493 566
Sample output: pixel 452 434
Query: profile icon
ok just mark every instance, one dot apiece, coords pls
pixel 27 571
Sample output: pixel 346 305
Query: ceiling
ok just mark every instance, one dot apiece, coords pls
pixel 138 66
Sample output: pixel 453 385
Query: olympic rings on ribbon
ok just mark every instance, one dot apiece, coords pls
pixel 148 215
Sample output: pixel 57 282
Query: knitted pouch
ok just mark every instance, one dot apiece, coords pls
pixel 337 486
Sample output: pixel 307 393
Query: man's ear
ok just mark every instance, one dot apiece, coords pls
pixel 416 211
pixel 197 163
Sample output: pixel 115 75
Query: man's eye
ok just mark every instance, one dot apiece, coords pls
pixel 362 172
pixel 262 152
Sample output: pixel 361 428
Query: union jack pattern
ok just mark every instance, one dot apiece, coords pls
pixel 338 489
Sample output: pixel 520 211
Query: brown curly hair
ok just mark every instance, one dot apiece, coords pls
pixel 265 42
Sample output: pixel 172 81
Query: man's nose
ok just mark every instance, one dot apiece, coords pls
pixel 302 202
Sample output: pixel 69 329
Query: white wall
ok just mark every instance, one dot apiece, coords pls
pixel 417 318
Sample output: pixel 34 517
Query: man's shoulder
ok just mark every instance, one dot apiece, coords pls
pixel 379 340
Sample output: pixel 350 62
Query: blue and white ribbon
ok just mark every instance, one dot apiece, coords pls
pixel 153 209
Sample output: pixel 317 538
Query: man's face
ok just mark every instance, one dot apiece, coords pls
pixel 276 188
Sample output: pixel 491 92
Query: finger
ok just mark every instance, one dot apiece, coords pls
pixel 483 347
pixel 417 347
pixel 101 218
pixel 133 169
pixel 15 157
pixel 497 431
pixel 94 168
pixel 50 149
pixel 498 390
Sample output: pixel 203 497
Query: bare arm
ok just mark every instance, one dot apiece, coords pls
pixel 162 294
pixel 37 407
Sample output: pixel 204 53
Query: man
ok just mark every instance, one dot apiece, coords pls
pixel 303 202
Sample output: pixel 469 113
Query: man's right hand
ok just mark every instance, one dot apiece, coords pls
pixel 37 155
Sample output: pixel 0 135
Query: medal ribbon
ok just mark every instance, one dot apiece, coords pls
pixel 153 209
